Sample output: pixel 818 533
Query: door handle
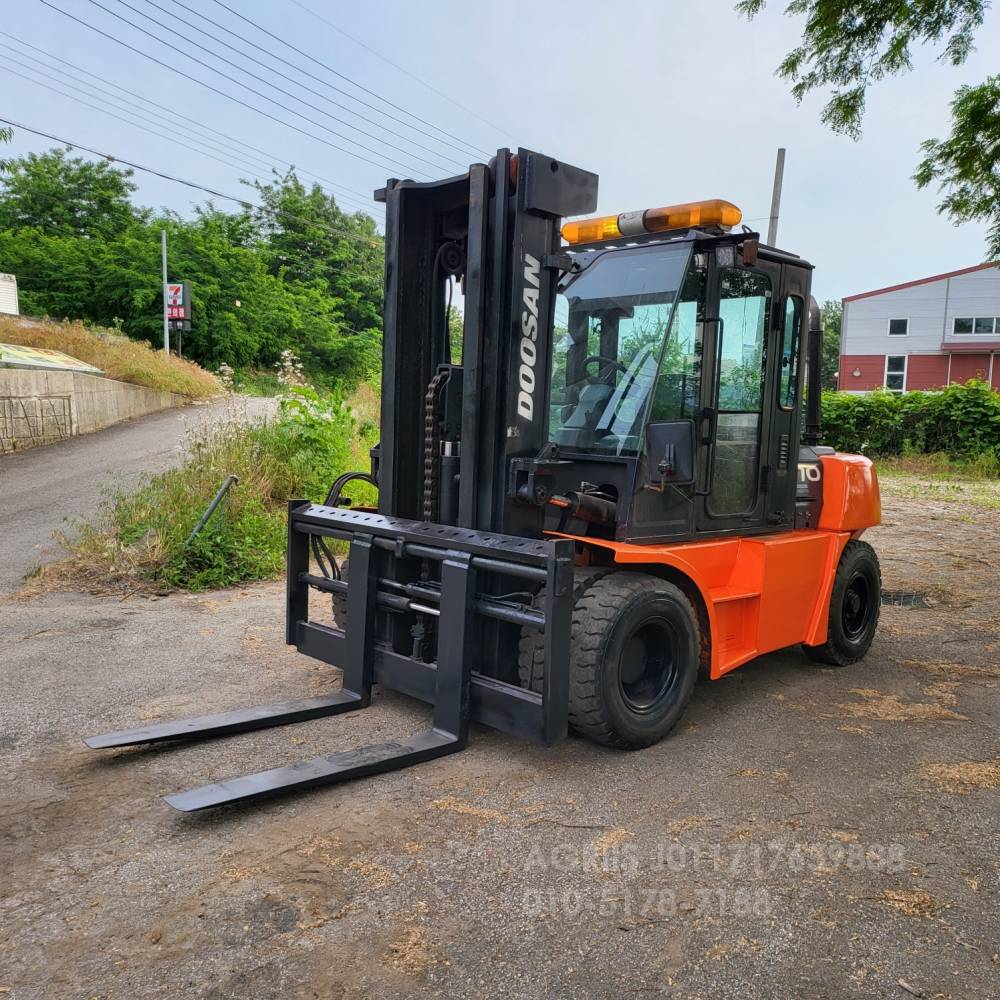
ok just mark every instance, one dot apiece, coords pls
pixel 709 415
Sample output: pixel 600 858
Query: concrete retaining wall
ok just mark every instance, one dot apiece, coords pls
pixel 39 407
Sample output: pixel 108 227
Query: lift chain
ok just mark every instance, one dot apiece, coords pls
pixel 432 444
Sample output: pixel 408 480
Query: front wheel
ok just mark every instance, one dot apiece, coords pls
pixel 634 655
pixel 855 602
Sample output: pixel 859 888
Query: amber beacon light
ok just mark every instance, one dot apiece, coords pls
pixel 714 212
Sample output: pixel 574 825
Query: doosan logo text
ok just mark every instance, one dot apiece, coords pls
pixel 529 338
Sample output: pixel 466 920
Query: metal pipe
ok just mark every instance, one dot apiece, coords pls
pixel 779 174
pixel 163 261
pixel 814 375
pixel 216 500
pixel 483 605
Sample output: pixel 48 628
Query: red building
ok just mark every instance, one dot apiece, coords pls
pixel 923 334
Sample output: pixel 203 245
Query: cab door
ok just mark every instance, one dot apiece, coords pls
pixel 737 404
pixel 784 390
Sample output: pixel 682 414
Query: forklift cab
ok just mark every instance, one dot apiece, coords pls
pixel 676 382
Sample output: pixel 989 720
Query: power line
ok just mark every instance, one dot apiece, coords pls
pixel 250 206
pixel 302 71
pixel 354 83
pixel 96 107
pixel 402 69
pixel 143 127
pixel 257 208
pixel 38 70
pixel 201 62
pixel 268 83
pixel 361 197
pixel 208 86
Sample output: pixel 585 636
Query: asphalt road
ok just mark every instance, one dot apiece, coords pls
pixel 45 488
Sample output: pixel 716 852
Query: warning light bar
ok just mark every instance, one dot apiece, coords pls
pixel 714 212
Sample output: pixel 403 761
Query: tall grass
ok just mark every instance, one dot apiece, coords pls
pixel 119 358
pixel 140 536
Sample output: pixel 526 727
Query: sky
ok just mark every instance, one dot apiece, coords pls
pixel 668 102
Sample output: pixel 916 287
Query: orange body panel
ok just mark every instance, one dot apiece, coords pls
pixel 851 500
pixel 761 593
pixel 766 592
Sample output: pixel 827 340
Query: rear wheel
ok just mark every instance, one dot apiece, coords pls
pixel 634 656
pixel 855 602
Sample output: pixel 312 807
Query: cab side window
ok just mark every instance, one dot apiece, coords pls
pixel 790 338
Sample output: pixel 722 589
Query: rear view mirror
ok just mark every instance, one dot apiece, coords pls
pixel 669 454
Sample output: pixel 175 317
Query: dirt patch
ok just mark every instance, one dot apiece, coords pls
pixel 73 576
pixel 910 902
pixel 943 692
pixel 945 668
pixel 890 708
pixel 963 778
pixel 607 842
pixel 413 952
pixel 685 823
pixel 377 876
pixel 451 804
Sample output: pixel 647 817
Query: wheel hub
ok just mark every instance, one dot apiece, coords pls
pixel 857 607
pixel 647 671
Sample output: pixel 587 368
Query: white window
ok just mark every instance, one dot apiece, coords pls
pixel 899 327
pixel 895 372
pixel 976 324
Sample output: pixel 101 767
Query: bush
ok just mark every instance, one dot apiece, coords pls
pixel 962 421
pixel 140 536
pixel 118 357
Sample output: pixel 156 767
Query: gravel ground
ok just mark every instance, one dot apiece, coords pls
pixel 806 832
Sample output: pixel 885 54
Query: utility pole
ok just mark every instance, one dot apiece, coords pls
pixel 166 324
pixel 779 173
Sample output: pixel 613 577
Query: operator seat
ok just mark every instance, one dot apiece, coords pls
pixel 578 428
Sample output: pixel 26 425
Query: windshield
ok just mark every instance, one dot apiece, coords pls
pixel 611 323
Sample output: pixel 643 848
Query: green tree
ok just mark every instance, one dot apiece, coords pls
pixel 6 135
pixel 966 165
pixel 296 273
pixel 311 240
pixel 456 334
pixel 831 315
pixel 66 196
pixel 848 45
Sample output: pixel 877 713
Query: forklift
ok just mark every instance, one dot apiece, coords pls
pixel 618 485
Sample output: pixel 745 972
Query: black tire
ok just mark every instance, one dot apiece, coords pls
pixel 634 656
pixel 531 651
pixel 855 603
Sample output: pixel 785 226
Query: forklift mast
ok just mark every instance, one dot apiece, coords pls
pixel 444 454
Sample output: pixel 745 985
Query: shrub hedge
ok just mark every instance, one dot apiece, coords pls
pixel 962 421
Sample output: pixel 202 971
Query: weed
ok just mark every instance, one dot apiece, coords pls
pixel 140 535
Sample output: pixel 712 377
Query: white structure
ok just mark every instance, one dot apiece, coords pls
pixel 8 295
pixel 923 334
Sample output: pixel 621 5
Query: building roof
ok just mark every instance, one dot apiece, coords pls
pixel 923 281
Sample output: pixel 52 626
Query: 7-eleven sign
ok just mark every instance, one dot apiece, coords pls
pixel 178 300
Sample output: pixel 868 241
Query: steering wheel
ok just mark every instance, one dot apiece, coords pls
pixel 612 364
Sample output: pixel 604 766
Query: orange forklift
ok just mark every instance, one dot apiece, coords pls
pixel 617 484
